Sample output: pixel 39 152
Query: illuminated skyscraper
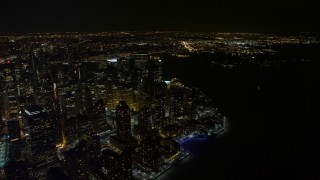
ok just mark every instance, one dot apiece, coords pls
pixel 81 160
pixel 84 126
pixel 83 99
pixel 145 118
pixel 159 108
pixel 117 165
pixel 33 61
pixel 149 155
pixel 177 102
pixel 141 59
pixel 42 130
pixel 99 117
pixel 9 86
pixel 123 121
pixel 69 104
pixel 46 92
pixel 75 161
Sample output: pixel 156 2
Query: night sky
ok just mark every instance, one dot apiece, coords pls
pixel 189 15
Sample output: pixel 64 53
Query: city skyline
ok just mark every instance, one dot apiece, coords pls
pixel 69 105
pixel 169 89
pixel 127 104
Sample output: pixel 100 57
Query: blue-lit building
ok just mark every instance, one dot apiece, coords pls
pixel 4 156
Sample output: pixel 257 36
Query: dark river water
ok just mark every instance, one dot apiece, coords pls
pixel 271 129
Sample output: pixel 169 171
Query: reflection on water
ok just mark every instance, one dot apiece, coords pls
pixel 201 150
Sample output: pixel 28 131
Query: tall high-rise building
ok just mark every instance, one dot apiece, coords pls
pixel 83 99
pixel 149 154
pixel 84 126
pixel 177 105
pixel 82 160
pixel 70 129
pixel 46 91
pixel 1 98
pixel 68 102
pixel 75 161
pixel 117 165
pixel 42 129
pixel 126 164
pixel 33 61
pixel 99 117
pixel 10 93
pixel 4 155
pixel 123 121
pixel 141 58
pixel 145 117
pixel 159 108
pixel 14 129
pixel 14 132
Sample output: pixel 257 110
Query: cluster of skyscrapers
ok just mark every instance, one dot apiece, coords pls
pixel 85 114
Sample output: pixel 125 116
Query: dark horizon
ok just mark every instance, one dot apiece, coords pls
pixel 218 16
pixel 280 33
